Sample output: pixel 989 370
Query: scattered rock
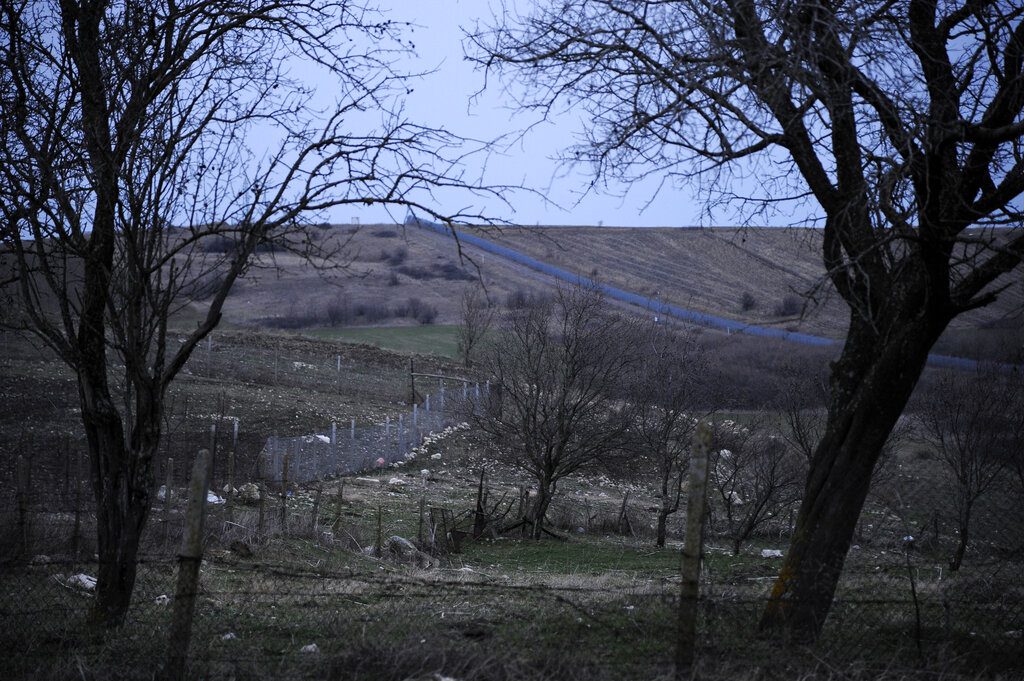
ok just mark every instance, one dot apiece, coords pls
pixel 771 553
pixel 230 636
pixel 212 498
pixel 311 648
pixel 249 493
pixel 396 481
pixel 162 599
pixel 82 581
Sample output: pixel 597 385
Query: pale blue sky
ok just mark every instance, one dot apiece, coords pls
pixel 445 98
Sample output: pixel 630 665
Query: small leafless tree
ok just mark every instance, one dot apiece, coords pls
pixel 557 366
pixel 477 318
pixel 974 420
pixel 665 395
pixel 804 410
pixel 753 478
pixel 151 152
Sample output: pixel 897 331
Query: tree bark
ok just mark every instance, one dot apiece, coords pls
pixel 122 478
pixel 662 526
pixel 961 547
pixel 871 383
pixel 539 510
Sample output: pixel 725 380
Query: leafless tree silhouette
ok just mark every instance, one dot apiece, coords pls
pixel 149 151
pixel 900 119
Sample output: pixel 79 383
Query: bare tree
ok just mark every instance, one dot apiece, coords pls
pixel 974 421
pixel 753 478
pixel 557 366
pixel 133 135
pixel 900 120
pixel 665 394
pixel 477 318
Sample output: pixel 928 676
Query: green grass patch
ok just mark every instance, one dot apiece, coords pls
pixel 576 556
pixel 433 339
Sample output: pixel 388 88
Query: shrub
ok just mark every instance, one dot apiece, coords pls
pixel 517 300
pixel 788 306
pixel 398 257
pixel 385 234
pixel 339 312
pixel 217 244
pixel 453 272
pixel 392 279
pixel 372 312
pixel 415 272
pixel 748 302
pixel 422 312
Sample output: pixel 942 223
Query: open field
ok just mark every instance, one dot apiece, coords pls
pixel 434 339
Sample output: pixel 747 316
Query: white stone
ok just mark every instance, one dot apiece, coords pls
pixel 396 481
pixel 311 648
pixel 162 599
pixel 771 553
pixel 230 636
pixel 82 581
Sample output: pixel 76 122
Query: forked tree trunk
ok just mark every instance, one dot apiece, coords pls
pixel 871 384
pixel 539 510
pixel 122 480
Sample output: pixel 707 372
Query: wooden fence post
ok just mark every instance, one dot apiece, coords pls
pixel 167 489
pixel 189 558
pixel 260 526
pixel 338 506
pixel 22 483
pixel 284 495
pixel 692 549
pixel 316 510
pixel 76 537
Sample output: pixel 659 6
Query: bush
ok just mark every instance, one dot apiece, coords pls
pixel 385 234
pixel 372 312
pixel 339 312
pixel 517 300
pixel 416 309
pixel 748 302
pixel 217 244
pixel 788 307
pixel 453 272
pixel 415 272
pixel 392 279
pixel 398 257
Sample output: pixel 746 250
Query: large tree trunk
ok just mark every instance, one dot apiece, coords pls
pixel 122 479
pixel 539 510
pixel 662 526
pixel 871 384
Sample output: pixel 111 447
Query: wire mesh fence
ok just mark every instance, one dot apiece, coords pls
pixel 354 447
pixel 288 621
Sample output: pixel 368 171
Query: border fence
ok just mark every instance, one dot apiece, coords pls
pixel 351 448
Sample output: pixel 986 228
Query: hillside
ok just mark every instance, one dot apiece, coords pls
pixel 395 276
